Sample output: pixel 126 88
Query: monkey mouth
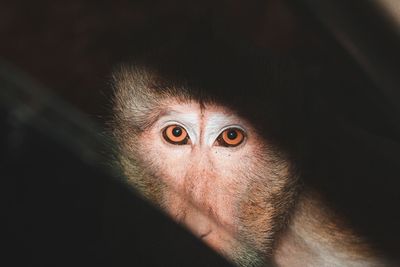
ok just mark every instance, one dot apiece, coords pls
pixel 205 235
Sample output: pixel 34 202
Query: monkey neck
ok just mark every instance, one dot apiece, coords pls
pixel 315 237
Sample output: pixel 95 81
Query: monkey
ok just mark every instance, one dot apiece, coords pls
pixel 202 135
pixel 210 166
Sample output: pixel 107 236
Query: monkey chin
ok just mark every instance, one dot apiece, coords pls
pixel 231 248
pixel 219 236
pixel 226 244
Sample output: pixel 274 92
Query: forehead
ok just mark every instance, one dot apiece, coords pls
pixel 177 108
pixel 195 112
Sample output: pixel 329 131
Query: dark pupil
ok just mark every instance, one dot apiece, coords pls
pixel 177 131
pixel 232 134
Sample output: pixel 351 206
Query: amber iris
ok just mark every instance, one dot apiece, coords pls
pixel 176 135
pixel 231 137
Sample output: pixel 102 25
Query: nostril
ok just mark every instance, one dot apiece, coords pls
pixel 205 235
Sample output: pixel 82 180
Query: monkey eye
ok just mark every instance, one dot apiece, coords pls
pixel 231 137
pixel 176 135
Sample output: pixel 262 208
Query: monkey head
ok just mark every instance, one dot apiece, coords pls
pixel 204 164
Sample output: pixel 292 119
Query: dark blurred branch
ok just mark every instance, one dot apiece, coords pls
pixel 60 204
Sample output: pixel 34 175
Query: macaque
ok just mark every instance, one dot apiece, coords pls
pixel 219 173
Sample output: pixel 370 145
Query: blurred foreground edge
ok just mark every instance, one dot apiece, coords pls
pixel 60 204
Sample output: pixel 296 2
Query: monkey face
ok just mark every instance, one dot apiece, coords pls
pixel 219 177
pixel 199 153
pixel 204 165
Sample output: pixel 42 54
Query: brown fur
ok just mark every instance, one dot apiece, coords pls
pixel 319 236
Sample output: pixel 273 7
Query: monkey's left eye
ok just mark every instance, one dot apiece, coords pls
pixel 231 137
pixel 176 135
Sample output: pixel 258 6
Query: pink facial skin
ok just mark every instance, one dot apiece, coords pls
pixel 204 180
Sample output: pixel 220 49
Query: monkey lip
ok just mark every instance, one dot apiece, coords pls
pixel 205 234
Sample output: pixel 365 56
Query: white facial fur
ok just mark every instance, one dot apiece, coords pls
pixel 215 123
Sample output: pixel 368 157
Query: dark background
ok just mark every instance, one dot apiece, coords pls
pixel 71 47
pixel 352 129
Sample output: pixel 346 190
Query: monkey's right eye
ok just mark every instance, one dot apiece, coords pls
pixel 175 135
